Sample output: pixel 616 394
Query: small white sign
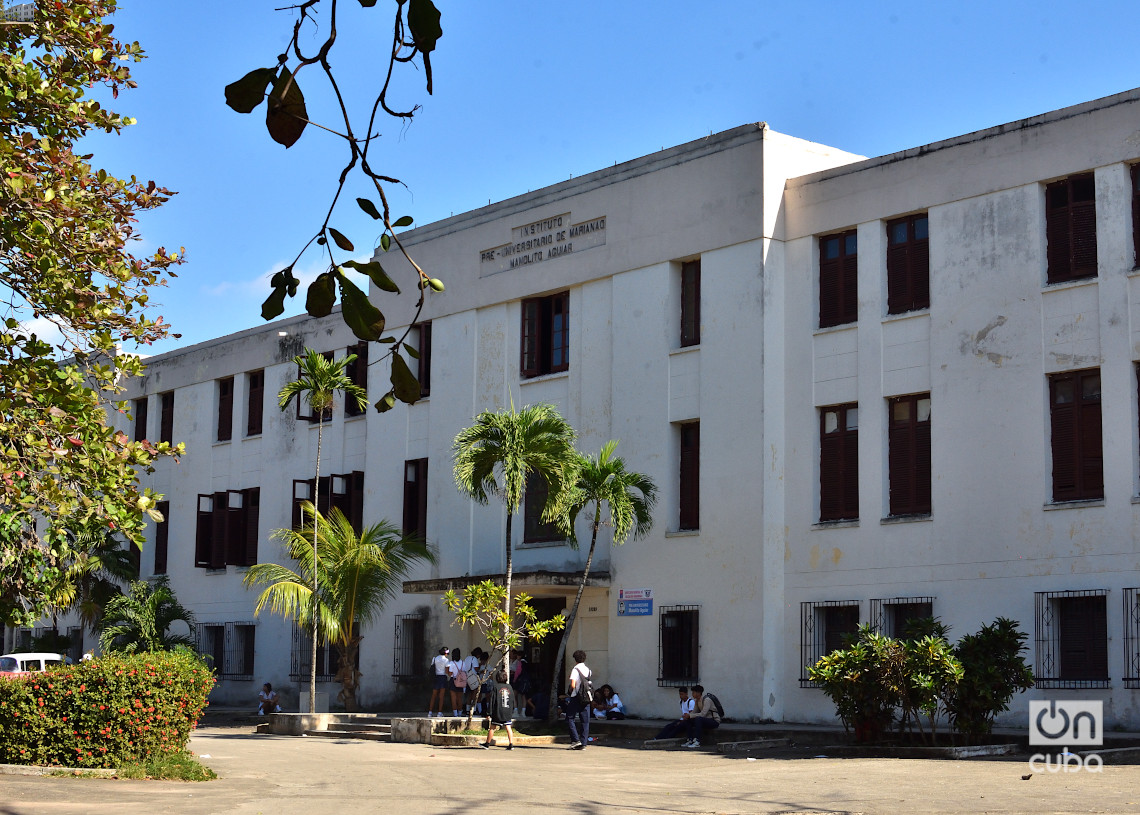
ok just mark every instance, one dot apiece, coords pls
pixel 635 594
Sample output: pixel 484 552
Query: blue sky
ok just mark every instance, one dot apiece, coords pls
pixel 529 94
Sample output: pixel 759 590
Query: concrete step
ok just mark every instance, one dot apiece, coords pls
pixel 350 734
pixel 365 727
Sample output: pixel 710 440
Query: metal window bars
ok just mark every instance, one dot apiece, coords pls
pixel 1059 631
pixel 813 633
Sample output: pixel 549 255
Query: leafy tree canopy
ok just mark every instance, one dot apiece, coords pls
pixel 65 267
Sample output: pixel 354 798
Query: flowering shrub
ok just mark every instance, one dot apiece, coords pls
pixel 114 709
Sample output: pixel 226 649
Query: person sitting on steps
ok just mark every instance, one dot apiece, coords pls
pixel 703 717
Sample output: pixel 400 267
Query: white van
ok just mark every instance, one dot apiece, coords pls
pixel 28 662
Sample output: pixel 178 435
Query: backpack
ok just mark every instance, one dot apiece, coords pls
pixel 461 679
pixel 585 693
pixel 716 704
pixel 473 677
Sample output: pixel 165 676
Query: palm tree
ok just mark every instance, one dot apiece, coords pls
pixel 497 454
pixel 630 497
pixel 356 575
pixel 141 620
pixel 102 566
pixel 319 380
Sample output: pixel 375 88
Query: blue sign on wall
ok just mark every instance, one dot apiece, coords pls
pixel 635 608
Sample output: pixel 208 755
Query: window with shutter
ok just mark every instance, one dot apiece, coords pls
pixel 204 535
pixel 415 498
pixel 302 492
pixel 357 371
pixel 424 349
pixel 690 476
pixel 839 463
pixel 255 381
pixel 534 502
pixel 235 528
pixel 679 646
pixel 838 279
pixel 1070 228
pixel 545 337
pixel 252 501
pixel 691 303
pixel 220 534
pixel 225 408
pixel 908 264
pixel 1071 639
pixel 162 538
pixel 909 454
pixel 823 625
pixel 1136 214
pixel 166 422
pixel 1075 431
pixel 139 410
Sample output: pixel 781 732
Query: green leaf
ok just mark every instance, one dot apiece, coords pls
pixel 322 294
pixel 341 241
pixel 387 340
pixel 423 21
pixel 369 208
pixel 365 320
pixel 247 93
pixel 404 220
pixel 385 403
pixel 385 241
pixel 274 304
pixel 376 274
pixel 404 383
pixel 412 352
pixel 286 117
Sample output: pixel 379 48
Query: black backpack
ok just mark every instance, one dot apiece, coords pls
pixel 716 704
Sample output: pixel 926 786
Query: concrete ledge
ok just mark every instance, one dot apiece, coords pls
pixel 456 740
pixel 755 744
pixel 661 744
pixel 30 769
pixel 970 751
pixel 1115 755
pixel 296 724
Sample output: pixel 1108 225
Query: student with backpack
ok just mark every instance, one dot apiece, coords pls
pixel 578 698
pixel 503 704
pixel 440 680
pixel 705 715
pixel 458 674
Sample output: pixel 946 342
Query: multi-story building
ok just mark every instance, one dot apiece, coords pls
pixel 868 389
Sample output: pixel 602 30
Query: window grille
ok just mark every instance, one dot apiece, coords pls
pixel 212 645
pixel 889 615
pixel 1132 638
pixel 239 651
pixel 823 624
pixel 678 646
pixel 328 658
pixel 1071 639
pixel 410 662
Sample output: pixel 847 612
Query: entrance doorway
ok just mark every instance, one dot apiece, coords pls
pixel 541 655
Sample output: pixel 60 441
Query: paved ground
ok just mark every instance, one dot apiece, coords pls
pixel 277 774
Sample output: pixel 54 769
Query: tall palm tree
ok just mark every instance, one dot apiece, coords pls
pixel 603 481
pixel 141 620
pixel 355 577
pixel 497 454
pixel 319 380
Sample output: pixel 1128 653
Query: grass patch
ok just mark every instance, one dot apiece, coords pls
pixel 178 767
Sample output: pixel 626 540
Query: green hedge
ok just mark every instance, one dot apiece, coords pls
pixel 103 712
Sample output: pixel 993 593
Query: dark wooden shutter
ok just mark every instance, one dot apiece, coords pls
pixel 529 345
pixel 909 456
pixel 690 492
pixel 235 528
pixel 299 497
pixel 920 267
pixel 829 289
pixel 424 349
pixel 901 465
pixel 357 371
pixel 140 412
pixel 162 538
pixel 1090 444
pixel 898 272
pixel 204 534
pixel 1063 434
pixel 252 521
pixel 922 466
pixel 225 408
pixel 850 473
pixel 1082 638
pixel 838 464
pixel 559 332
pixel 356 500
pixel 1070 228
pixel 690 303
pixel 220 526
pixel 323 494
pixel 1136 214
pixel 166 423
pixel 1059 251
pixel 850 279
pixel 415 498
pixel 256 403
pixel 1082 205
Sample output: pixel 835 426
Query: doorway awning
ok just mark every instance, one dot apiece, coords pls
pixel 519 580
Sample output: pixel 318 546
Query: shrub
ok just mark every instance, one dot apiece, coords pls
pixel 995 670
pixel 854 679
pixel 120 708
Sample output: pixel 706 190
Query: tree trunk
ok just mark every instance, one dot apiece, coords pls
pixel 347 675
pixel 551 708
pixel 313 610
pixel 505 664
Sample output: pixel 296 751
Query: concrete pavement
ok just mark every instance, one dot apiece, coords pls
pixel 278 774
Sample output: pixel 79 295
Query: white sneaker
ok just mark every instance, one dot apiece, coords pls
pixel 692 743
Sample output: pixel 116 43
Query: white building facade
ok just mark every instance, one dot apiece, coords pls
pixel 867 390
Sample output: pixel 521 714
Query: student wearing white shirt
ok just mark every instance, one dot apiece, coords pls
pixel 440 680
pixel 673 728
